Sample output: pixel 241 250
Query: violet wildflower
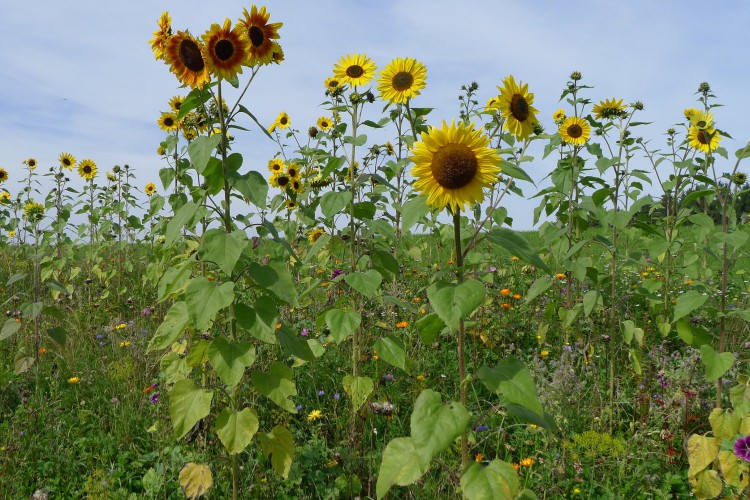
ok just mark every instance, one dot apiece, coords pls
pixel 483 428
pixel 304 332
pixel 389 377
pixel 493 269
pixel 299 407
pixel 742 448
pixel 154 398
pixel 321 392
pixel 336 396
pixel 336 273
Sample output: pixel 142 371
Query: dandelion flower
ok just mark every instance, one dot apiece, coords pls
pixel 402 79
pixel 149 189
pixel 87 169
pixel 11 234
pixel 516 101
pixel 184 54
pixel 282 121
pixel 357 69
pixel 453 164
pixel 74 380
pixel 226 50
pixel 314 415
pixel 575 131
pixel 610 108
pixel 260 35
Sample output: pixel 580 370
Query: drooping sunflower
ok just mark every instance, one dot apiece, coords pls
pixel 292 171
pixel 161 36
pixel 33 211
pixel 516 105
pixel 611 108
pixel 168 122
pixel 279 180
pixel 276 165
pixel 149 189
pixel 67 160
pixel 702 120
pixel 184 54
pixel 31 163
pixel 314 235
pixel 291 205
pixel 706 140
pixel 402 79
pixel 161 151
pixel 87 169
pixel 559 116
pixel 332 83
pixel 357 69
pixel 4 197
pixel 575 131
pixel 111 177
pixel 226 50
pixel 324 123
pixel 175 103
pixel 3 174
pixel 259 35
pixel 453 164
pixel 282 121
pixel 189 133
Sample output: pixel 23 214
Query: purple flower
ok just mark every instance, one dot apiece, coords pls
pixel 483 428
pixel 747 344
pixel 146 311
pixel 320 393
pixel 299 407
pixel 154 398
pixel 336 273
pixel 336 396
pixel 304 332
pixel 114 400
pixel 648 259
pixel 742 448
pixel 389 377
pixel 493 269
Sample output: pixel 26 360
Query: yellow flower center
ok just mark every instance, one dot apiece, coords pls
pixel 355 71
pixel 224 50
pixel 575 131
pixel 256 35
pixel 190 55
pixel 519 108
pixel 454 166
pixel 402 81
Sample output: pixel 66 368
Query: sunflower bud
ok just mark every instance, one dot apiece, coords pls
pixel 671 132
pixel 116 169
pixel 739 178
pixel 638 105
pixel 575 76
pixel 704 88
pixel 312 132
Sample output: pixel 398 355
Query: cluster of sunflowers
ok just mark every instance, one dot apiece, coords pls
pixel 288 178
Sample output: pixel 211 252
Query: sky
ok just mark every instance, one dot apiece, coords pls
pixel 80 77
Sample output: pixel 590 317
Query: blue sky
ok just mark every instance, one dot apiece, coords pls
pixel 83 80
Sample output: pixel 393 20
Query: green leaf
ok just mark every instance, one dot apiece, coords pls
pixel 230 359
pixel 367 283
pixel 455 302
pixel 342 323
pixel 358 389
pixel 182 218
pixel 205 299
pixel 195 480
pixel 166 175
pixel 412 211
pixel 435 425
pixel 537 288
pixel 277 384
pixel 236 428
pixel 252 186
pixel 517 245
pixel 295 344
pixel 222 248
pixel 334 202
pixel 201 149
pixel 58 334
pixel 263 327
pixel 716 364
pixel 275 278
pixel 687 303
pixel 188 405
pixel 402 464
pixel 10 327
pixel 630 332
pixel 279 445
pixel 497 480
pixel 512 381
pixel 430 327
pixel 694 336
pixel 364 210
pixel 590 300
pixel 22 363
pixel 360 140
pixel 175 322
pixel 14 278
pixel 391 350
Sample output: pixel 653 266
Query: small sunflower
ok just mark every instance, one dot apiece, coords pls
pixel 4 197
pixel 706 140
pixel 739 178
pixel 184 54
pixel 189 133
pixel 260 35
pixel 176 102
pixel 161 151
pixel 402 79
pixel 332 83
pixel 3 175
pixel 168 122
pixel 110 176
pixel 314 235
pixel 226 50
pixel 276 165
pixel 296 186
pixel 279 180
pixel 324 123
pixel 575 131
pixel 291 205
pixel 31 163
pixel 357 69
pixel 702 120
pixel 87 169
pixel 33 211
pixel 492 104
pixel 559 116
pixel 161 36
pixel 149 189
pixel 690 113
pixel 608 109
pixel 292 171
pixel 67 160
pixel 453 164
pixel 282 121
pixel 516 105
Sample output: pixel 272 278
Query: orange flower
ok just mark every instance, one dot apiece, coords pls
pixel 278 326
pixel 515 259
pixel 422 311
pixel 402 324
pixel 479 457
pixel 516 466
pixel 517 296
pixel 505 291
pixel 416 300
pixel 561 276
pixel 450 262
pixel 505 305
pixel 147 390
pixel 527 462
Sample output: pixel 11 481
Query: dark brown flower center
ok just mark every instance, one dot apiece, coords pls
pixel 292 172
pixel 190 55
pixel 355 71
pixel 454 166
pixel 87 169
pixel 283 181
pixel 402 81
pixel 324 124
pixel 168 122
pixel 257 37
pixel 66 162
pixel 224 50
pixel 702 137
pixel 333 84
pixel 283 120
pixel 575 131
pixel 519 108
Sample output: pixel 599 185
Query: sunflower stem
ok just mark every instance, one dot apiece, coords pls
pixel 461 361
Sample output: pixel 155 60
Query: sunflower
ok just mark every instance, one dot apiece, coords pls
pixel 176 102
pixel 111 177
pixel 296 186
pixel 739 178
pixel 4 197
pixel 279 180
pixel 291 205
pixel 402 80
pixel 453 164
pixel 184 54
pixel 33 211
pixel 259 35
pixel 610 108
pixel 492 104
pixel 3 175
pixel 189 133
pixel 575 131
pixel 87 169
pixel 67 160
pixel 332 83
pixel 357 69
pixel 559 116
pixel 276 165
pixel 314 235
pixel 690 112
pixel 161 36
pixel 278 53
pixel 161 151
pixel 149 189
pixel 516 105
pixel 702 120
pixel 324 123
pixel 31 163
pixel 226 50
pixel 292 171
pixel 706 140
pixel 282 121
pixel 168 122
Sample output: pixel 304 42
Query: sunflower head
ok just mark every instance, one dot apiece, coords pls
pixel 702 120
pixel 168 122
pixel 110 176
pixel 324 123
pixel 161 36
pixel 3 175
pixel 609 109
pixel 4 197
pixel 276 165
pixel 333 85
pixel 690 113
pixel 67 160
pixel 291 205
pixel 149 189
pixel 226 50
pixel 559 116
pixel 292 171
pixel 314 235
pixel 402 79
pixel 87 169
pixel 516 106
pixel 453 164
pixel 575 131
pixel 296 186
pixel 161 151
pixel 357 69
pixel 33 211
pixel 492 104
pixel 279 180
pixel 175 103
pixel 260 36
pixel 739 178
pixel 30 163
pixel 184 54
pixel 282 121
pixel 705 140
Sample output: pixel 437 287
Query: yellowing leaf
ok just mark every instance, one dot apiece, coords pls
pixel 702 450
pixel 725 424
pixel 195 480
pixel 707 484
